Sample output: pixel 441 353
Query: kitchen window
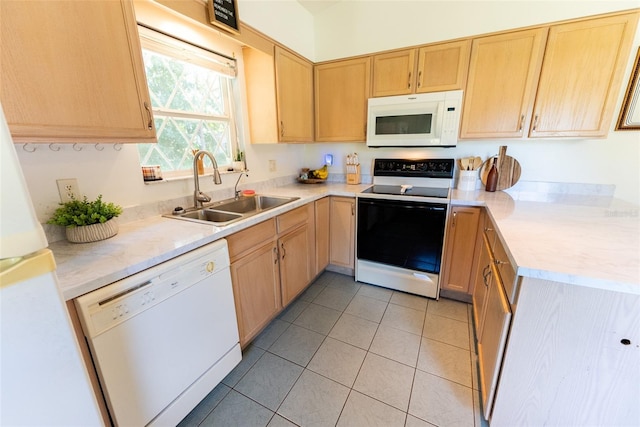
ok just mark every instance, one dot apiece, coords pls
pixel 191 93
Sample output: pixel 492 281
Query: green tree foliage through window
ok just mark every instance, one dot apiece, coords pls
pixel 192 111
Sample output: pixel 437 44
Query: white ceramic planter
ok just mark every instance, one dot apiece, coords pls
pixel 93 232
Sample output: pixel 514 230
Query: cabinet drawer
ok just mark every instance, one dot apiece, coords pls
pixel 250 238
pixel 505 269
pixel 292 219
pixel 489 230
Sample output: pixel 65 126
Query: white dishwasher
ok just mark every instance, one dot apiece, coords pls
pixel 162 339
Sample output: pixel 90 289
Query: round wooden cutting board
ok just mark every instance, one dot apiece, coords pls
pixel 508 170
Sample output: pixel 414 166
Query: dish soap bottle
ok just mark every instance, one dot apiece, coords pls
pixel 492 177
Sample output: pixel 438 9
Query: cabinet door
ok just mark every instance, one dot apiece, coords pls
pixel 295 273
pixel 72 71
pixel 481 286
pixel 460 248
pixel 322 234
pixel 256 290
pixel 342 232
pixel 492 342
pixel 259 75
pixel 294 94
pixel 394 73
pixel 443 66
pixel 581 76
pixel 503 74
pixel 341 94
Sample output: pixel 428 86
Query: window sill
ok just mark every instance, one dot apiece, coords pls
pixel 189 176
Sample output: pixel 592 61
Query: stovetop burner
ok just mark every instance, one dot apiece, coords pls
pixel 407 178
pixel 442 193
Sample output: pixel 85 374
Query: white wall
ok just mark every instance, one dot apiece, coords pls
pixel 285 21
pixel 360 27
pixel 357 27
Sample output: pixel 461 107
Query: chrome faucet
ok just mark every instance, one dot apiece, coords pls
pixel 198 196
pixel 235 189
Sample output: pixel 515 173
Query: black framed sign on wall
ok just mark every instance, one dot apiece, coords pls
pixel 224 14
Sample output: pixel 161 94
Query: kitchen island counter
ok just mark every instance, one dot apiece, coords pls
pixel 586 240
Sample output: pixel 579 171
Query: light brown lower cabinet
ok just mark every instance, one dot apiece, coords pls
pixel 256 289
pixel 271 264
pixel 255 275
pixel 481 287
pixel 294 263
pixel 342 233
pixel 322 211
pixel 460 249
pixel 491 312
pixel 492 341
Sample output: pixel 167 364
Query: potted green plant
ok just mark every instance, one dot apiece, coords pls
pixel 238 162
pixel 87 221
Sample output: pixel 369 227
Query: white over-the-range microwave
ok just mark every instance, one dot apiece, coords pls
pixel 420 120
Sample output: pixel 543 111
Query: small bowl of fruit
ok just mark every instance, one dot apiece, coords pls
pixel 314 176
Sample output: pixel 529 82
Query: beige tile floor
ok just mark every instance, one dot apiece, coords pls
pixel 350 354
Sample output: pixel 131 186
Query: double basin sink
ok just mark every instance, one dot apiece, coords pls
pixel 231 210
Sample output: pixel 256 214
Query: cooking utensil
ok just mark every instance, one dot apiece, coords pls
pixel 464 163
pixel 477 162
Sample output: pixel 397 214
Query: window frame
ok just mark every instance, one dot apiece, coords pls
pixel 181 50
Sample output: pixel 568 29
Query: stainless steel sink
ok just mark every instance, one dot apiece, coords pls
pixel 251 204
pixel 211 216
pixel 231 210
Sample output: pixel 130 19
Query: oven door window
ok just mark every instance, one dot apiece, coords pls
pixel 404 234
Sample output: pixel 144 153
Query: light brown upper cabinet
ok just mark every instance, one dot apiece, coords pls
pixel 443 66
pixel 503 73
pixel 294 94
pixel 279 96
pixel 394 73
pixel 72 71
pixel 573 86
pixel 341 92
pixel 438 67
pixel 581 76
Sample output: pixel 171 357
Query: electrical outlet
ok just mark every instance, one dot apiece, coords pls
pixel 272 166
pixel 68 189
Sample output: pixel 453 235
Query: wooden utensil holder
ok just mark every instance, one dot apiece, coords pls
pixel 353 174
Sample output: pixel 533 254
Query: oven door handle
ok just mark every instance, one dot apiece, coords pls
pixel 407 204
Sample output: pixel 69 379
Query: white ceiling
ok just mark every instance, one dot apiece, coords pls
pixel 316 6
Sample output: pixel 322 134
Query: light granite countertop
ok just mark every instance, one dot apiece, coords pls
pixel 586 240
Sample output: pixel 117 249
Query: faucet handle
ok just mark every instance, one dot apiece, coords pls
pixel 201 197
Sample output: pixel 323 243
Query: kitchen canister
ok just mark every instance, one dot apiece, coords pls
pixel 467 180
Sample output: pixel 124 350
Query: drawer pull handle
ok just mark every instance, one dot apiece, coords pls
pixel 284 252
pixel 275 255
